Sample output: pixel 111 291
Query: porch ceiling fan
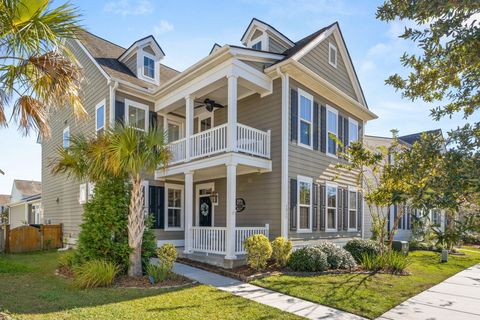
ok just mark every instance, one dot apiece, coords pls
pixel 209 104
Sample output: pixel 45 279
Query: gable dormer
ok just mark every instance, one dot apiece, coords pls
pixel 143 59
pixel 262 36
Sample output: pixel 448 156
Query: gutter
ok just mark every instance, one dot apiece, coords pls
pixel 284 207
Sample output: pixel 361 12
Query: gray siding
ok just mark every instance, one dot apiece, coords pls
pixel 149 49
pixel 256 34
pixel 317 61
pixel 16 216
pixel 60 194
pixel 131 63
pixel 257 65
pixel 275 46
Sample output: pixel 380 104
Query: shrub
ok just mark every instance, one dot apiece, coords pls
pixel 337 258
pixel 95 273
pixel 396 262
pixel 258 250
pixel 281 250
pixel 149 242
pixel 308 259
pixel 67 259
pixel 359 247
pixel 158 272
pixel 471 238
pixel 391 261
pixel 167 254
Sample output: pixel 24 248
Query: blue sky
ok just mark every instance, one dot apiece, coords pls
pixel 186 31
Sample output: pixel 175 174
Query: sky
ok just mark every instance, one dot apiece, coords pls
pixel 187 29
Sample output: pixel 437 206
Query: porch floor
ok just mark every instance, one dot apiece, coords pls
pixel 212 258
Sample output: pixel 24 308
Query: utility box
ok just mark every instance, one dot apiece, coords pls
pixel 400 246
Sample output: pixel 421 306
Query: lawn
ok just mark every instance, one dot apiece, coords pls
pixel 371 295
pixel 30 290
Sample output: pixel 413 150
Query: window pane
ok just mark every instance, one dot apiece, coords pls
pixel 353 219
pixel 332 145
pixel 332 197
pixel 305 109
pixel 173 132
pixel 305 133
pixel 304 218
pixel 305 193
pixel 174 218
pixel 100 117
pixel 206 124
pixel 148 67
pixel 353 131
pixel 331 218
pixel 136 117
pixel 66 138
pixel 332 122
pixel 257 46
pixel 352 198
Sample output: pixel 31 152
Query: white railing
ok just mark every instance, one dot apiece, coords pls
pixel 213 239
pixel 249 140
pixel 208 142
pixel 253 141
pixel 242 233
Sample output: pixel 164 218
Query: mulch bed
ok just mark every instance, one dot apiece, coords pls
pixel 143 282
pixel 65 272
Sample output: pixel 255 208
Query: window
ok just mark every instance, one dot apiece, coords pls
pixel 91 190
pixel 82 197
pixel 173 132
pixel 148 67
pixel 436 218
pixel 257 46
pixel 100 117
pixel 205 123
pixel 174 207
pixel 332 131
pixel 137 115
pixel 305 103
pixel 304 216
pixel 331 197
pixel 352 208
pixel 66 137
pixel 352 130
pixel 332 55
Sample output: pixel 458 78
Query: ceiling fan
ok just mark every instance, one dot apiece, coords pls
pixel 209 104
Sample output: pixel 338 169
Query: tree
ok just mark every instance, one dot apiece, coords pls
pixel 120 152
pixel 37 71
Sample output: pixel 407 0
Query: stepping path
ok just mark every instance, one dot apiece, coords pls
pixel 264 296
pixel 456 298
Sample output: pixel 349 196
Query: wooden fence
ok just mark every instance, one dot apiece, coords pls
pixel 33 238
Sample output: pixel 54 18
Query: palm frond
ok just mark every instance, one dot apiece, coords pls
pixel 31 113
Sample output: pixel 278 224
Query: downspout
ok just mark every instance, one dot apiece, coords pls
pixel 113 85
pixel 284 144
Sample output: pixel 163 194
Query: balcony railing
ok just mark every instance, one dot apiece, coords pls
pixel 209 142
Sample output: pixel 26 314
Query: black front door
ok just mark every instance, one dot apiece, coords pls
pixel 205 210
pixel 156 206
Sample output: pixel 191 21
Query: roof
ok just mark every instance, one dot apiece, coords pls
pixel 4 198
pixel 412 138
pixel 106 54
pixel 28 188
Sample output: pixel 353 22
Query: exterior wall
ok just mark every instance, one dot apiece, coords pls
pixel 17 215
pixel 275 46
pixel 257 65
pixel 132 63
pixel 60 194
pixel 317 165
pixel 317 61
pixel 16 195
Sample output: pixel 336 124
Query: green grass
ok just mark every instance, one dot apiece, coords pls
pixel 30 290
pixel 371 295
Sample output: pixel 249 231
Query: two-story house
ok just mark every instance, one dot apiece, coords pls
pixel 250 129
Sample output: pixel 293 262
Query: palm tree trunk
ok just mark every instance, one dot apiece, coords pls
pixel 136 226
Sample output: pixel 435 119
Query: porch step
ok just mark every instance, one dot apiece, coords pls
pixel 213 259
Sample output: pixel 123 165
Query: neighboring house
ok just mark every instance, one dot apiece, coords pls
pixel 4 201
pixel 404 231
pixel 248 127
pixel 25 206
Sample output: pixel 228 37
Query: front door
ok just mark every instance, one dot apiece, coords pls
pixel 156 206
pixel 205 209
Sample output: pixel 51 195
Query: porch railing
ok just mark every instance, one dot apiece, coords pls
pixel 253 141
pixel 209 142
pixel 213 239
pixel 178 150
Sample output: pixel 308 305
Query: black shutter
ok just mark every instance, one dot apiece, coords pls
pixel 346 214
pixel 346 137
pixel 315 125
pixel 359 210
pixel 323 129
pixel 340 135
pixel 315 207
pixel 323 207
pixel 153 119
pixel 161 201
pixel 293 204
pixel 119 112
pixel 293 115
pixel 339 209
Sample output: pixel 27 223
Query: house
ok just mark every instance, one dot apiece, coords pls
pixel 25 205
pixel 404 231
pixel 4 201
pixel 251 131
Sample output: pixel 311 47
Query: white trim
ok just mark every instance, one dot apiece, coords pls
pixel 284 184
pixel 256 24
pixel 82 193
pixel 198 187
pixel 331 185
pixel 176 243
pixel 333 47
pixel 112 91
pixel 141 54
pixel 182 202
pixel 335 111
pixel 66 130
pixel 308 180
pixel 138 105
pixel 140 44
pixel 98 106
pixel 263 39
pixel 309 97
pixel 352 189
pixel 146 196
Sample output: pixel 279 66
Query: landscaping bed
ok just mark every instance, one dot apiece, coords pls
pixel 144 282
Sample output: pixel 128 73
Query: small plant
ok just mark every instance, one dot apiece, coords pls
pixel 397 262
pixel 371 262
pixel 158 272
pixel 281 250
pixel 337 258
pixel 167 254
pixel 359 247
pixel 308 259
pixel 391 261
pixel 67 259
pixel 95 273
pixel 258 250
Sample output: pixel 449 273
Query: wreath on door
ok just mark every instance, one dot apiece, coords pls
pixel 204 208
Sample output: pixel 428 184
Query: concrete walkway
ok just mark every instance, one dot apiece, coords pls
pixel 456 298
pixel 267 297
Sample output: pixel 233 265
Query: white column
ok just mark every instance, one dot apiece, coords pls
pixel 165 126
pixel 232 113
pixel 189 104
pixel 230 209
pixel 284 209
pixel 188 211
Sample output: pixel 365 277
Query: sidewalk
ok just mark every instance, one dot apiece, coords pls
pixel 267 297
pixel 456 298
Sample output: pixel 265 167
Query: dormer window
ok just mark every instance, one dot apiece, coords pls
pixel 148 67
pixel 257 46
pixel 332 55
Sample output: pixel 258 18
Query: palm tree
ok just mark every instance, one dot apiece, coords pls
pixel 38 73
pixel 121 152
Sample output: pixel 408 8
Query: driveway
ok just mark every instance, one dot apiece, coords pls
pixel 456 298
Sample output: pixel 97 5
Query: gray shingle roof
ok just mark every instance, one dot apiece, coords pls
pixel 28 188
pixel 411 138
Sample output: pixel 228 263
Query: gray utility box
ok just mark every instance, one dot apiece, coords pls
pixel 401 246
